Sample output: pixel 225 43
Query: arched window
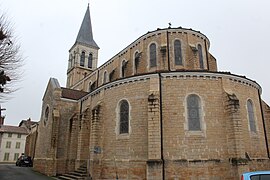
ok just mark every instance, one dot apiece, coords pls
pixel 153 55
pixel 46 115
pixel 194 112
pixel 200 56
pixel 82 59
pixel 90 60
pixel 124 117
pixel 177 53
pixel 136 61
pixel 124 67
pixel 70 61
pixel 89 87
pixel 105 77
pixel 251 116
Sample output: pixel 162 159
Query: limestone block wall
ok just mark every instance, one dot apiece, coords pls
pixel 164 40
pixel 125 154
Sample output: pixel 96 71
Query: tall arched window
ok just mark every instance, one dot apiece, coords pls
pixel 194 112
pixel 153 55
pixel 89 87
pixel 136 61
pixel 70 61
pixel 124 117
pixel 82 59
pixel 105 77
pixel 90 60
pixel 200 56
pixel 124 67
pixel 251 116
pixel 177 53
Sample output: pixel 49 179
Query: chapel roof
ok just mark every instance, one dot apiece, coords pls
pixel 72 94
pixel 28 123
pixel 13 129
pixel 85 35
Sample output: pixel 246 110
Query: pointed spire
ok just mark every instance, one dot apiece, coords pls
pixel 85 34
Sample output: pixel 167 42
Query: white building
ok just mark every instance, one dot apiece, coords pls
pixel 12 143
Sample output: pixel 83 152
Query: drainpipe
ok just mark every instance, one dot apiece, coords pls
pixel 264 127
pixel 161 127
pixel 168 51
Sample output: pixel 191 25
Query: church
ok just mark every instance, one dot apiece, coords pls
pixel 159 109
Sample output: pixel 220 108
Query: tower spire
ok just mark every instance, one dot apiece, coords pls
pixel 85 35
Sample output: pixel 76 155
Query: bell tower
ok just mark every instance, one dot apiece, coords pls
pixel 83 55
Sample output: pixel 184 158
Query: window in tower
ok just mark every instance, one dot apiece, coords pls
pixel 194 112
pixel 82 59
pixel 251 117
pixel 153 55
pixel 177 53
pixel 124 117
pixel 90 60
pixel 70 61
pixel 200 56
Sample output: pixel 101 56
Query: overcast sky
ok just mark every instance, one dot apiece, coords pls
pixel 238 31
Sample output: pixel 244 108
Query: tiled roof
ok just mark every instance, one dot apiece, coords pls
pixel 72 94
pixel 12 129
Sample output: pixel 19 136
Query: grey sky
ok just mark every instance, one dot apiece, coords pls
pixel 237 29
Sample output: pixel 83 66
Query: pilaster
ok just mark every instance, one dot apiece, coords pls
pixel 154 163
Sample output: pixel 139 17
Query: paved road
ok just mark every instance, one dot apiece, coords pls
pixel 12 172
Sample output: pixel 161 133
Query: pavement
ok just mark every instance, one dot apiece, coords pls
pixel 12 172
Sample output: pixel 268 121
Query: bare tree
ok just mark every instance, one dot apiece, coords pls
pixel 10 59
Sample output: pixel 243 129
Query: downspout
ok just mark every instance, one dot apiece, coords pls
pixel 168 51
pixel 264 128
pixel 161 127
pixel 206 52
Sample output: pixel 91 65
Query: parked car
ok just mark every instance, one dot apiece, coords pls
pixel 256 175
pixel 24 161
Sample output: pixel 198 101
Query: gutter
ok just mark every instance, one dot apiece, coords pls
pixel 168 51
pixel 161 127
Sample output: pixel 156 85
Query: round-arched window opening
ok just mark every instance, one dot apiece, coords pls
pixel 46 116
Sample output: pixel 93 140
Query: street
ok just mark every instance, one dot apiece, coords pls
pixel 12 172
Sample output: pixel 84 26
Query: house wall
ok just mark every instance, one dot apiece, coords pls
pixel 12 150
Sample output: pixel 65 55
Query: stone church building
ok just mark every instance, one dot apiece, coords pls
pixel 159 109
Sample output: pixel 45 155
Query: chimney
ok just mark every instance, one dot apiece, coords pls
pixel 2 118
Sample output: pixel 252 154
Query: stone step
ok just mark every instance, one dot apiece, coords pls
pixel 73 176
pixel 80 171
pixel 78 174
pixel 65 177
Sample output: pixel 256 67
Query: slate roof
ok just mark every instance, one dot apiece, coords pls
pixel 28 123
pixel 72 94
pixel 85 35
pixel 13 129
